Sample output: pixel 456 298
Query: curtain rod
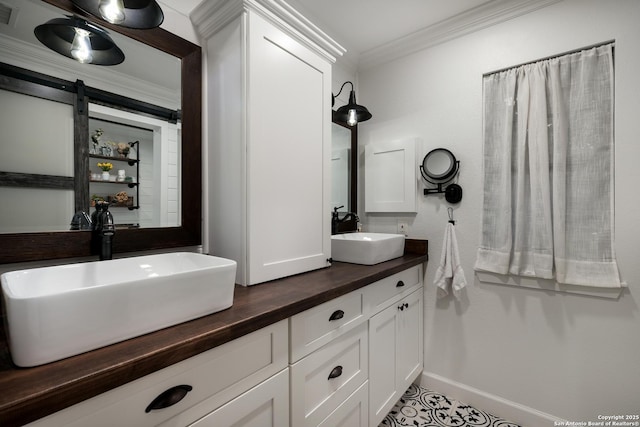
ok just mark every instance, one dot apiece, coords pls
pixel 550 57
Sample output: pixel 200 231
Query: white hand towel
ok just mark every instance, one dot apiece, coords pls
pixel 449 272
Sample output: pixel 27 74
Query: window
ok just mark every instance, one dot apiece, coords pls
pixel 548 170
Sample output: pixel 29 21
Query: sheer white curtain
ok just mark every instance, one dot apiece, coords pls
pixel 548 170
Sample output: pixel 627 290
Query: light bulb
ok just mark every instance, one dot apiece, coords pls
pixel 352 119
pixel 112 11
pixel 81 46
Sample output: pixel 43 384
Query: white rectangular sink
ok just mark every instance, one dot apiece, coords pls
pixel 61 311
pixel 366 248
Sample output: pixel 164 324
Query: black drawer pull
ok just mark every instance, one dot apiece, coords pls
pixel 169 397
pixel 338 314
pixel 399 284
pixel 335 372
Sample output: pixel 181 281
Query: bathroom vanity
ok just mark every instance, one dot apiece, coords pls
pixel 303 350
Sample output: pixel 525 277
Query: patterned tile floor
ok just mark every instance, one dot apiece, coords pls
pixel 420 407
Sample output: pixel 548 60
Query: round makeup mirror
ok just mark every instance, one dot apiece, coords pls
pixel 439 165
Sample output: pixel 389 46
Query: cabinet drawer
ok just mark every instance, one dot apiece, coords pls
pixel 265 405
pixel 323 380
pixel 379 294
pixel 315 327
pixel 217 375
pixel 354 412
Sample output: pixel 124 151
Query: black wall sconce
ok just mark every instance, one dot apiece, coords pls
pixel 351 113
pixel 141 14
pixel 80 40
pixel 439 167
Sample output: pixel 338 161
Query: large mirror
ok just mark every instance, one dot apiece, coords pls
pixel 186 57
pixel 344 167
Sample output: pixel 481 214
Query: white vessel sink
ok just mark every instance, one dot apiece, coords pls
pixel 57 312
pixel 366 248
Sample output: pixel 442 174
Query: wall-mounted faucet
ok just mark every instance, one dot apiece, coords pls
pixel 336 220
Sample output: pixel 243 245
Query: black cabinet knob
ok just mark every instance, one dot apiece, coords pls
pixel 399 284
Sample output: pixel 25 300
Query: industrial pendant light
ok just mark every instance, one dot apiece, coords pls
pixel 78 39
pixel 352 113
pixel 141 14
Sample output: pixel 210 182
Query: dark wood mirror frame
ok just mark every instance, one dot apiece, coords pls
pixel 353 174
pixel 353 164
pixel 22 247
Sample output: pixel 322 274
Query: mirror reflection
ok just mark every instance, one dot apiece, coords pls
pixel 344 165
pixel 38 134
pixel 43 149
pixel 142 184
pixel 340 167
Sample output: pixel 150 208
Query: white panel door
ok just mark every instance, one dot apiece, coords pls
pixel 383 381
pixel 395 353
pixel 410 359
pixel 288 155
pixel 390 176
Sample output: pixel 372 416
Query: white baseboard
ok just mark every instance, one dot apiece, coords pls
pixel 495 405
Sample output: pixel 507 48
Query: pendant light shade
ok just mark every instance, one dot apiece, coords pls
pixel 141 14
pixel 76 38
pixel 352 113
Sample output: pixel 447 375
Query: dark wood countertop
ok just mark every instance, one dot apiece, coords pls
pixel 32 393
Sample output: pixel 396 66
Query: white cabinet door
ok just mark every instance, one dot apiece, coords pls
pixel 288 155
pixel 390 176
pixel 269 150
pixel 265 405
pixel 383 382
pixel 410 354
pixel 395 353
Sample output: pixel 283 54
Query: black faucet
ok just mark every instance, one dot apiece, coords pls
pixel 104 229
pixel 80 221
pixel 335 219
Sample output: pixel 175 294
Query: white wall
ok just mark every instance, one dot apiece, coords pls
pixel 567 355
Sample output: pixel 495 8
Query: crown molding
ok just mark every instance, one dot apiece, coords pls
pixel 211 16
pixel 486 15
pixel 42 60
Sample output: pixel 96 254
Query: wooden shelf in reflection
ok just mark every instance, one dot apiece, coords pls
pixel 118 159
pixel 130 184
